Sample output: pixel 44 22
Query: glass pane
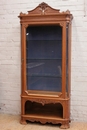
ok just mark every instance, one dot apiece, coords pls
pixel 45 67
pixel 44 83
pixel 44 47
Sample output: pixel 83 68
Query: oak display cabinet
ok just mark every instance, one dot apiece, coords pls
pixel 45 65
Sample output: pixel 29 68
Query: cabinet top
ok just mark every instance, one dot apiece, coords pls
pixel 43 10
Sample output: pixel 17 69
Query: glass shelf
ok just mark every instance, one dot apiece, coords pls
pixel 46 75
pixel 43 59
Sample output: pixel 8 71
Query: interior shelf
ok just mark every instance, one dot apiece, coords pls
pixel 45 75
pixel 44 59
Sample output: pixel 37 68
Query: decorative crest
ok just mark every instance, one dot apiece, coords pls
pixel 43 8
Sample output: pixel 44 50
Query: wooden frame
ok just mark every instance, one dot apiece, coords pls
pixel 43 14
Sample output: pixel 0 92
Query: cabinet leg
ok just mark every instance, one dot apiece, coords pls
pixel 23 122
pixel 65 126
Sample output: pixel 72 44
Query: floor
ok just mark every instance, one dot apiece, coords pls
pixel 10 122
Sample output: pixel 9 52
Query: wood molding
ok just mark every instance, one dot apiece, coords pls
pixel 45 9
pixel 45 101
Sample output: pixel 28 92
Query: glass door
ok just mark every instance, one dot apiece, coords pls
pixel 44 58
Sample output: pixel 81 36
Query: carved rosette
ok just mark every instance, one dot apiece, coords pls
pixel 43 7
pixel 61 24
pixel 25 25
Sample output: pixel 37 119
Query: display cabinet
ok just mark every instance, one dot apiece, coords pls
pixel 45 65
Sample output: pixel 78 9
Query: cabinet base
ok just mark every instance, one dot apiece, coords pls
pixel 64 122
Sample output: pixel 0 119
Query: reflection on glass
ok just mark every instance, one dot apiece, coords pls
pixel 44 58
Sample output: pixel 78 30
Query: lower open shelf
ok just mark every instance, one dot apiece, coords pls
pixel 47 111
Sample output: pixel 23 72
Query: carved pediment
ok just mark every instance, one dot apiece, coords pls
pixel 43 8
